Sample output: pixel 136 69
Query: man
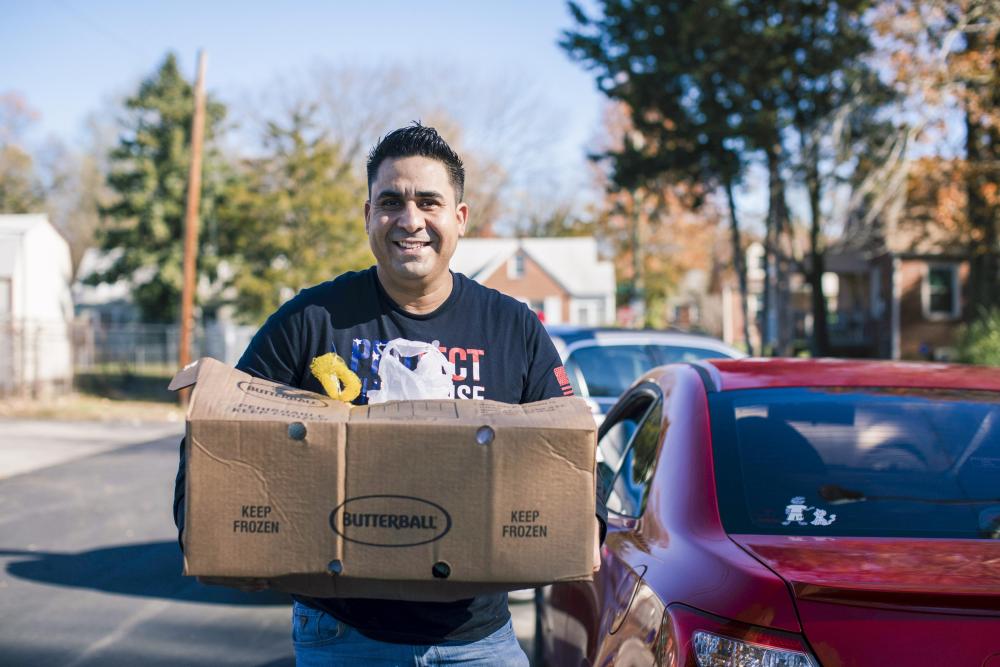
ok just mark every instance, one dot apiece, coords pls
pixel 414 216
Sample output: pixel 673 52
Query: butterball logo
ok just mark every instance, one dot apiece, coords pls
pixel 390 521
pixel 282 394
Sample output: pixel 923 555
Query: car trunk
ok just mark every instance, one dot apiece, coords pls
pixel 874 601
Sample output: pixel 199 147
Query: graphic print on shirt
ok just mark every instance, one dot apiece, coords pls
pixel 366 355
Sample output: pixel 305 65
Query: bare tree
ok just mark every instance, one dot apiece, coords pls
pixel 502 125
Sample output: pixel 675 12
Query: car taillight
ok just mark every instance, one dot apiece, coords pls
pixel 690 638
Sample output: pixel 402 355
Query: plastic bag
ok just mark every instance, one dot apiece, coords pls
pixel 431 378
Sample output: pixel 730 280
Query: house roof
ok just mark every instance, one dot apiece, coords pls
pixel 572 262
pixel 12 227
pixel 95 260
pixel 19 224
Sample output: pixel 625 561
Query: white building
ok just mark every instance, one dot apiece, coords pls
pixel 36 306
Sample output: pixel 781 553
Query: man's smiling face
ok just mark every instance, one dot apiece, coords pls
pixel 413 221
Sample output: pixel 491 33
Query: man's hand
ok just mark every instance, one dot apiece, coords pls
pixel 245 584
pixel 597 544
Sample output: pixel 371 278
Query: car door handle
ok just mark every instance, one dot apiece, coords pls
pixel 617 522
pixel 624 597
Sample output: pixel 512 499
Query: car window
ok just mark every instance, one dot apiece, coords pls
pixel 674 354
pixel 609 370
pixel 574 374
pixel 630 481
pixel 880 463
pixel 611 447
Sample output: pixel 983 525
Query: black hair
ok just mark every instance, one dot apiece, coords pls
pixel 417 139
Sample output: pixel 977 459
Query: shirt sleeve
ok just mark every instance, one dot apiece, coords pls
pixel 276 351
pixel 547 378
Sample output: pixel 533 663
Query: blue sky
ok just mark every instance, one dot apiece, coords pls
pixel 67 56
pixel 71 58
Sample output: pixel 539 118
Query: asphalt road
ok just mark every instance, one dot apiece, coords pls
pixel 90 572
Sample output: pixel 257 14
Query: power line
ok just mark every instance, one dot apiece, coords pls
pixel 124 43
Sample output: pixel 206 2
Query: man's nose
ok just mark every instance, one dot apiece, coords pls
pixel 411 218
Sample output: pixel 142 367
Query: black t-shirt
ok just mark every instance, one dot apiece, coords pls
pixel 501 352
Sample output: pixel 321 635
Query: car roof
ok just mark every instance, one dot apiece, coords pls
pixel 758 373
pixel 572 336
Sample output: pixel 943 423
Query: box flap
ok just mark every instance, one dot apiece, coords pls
pixel 223 392
pixel 186 376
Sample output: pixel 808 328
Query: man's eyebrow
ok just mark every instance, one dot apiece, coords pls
pixel 422 194
pixel 388 193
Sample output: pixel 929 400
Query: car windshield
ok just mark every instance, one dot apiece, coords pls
pixel 609 370
pixel 891 462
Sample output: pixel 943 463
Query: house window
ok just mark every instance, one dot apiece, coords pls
pixel 940 292
pixel 875 298
pixel 515 267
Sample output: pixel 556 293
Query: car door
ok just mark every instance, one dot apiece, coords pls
pixel 578 617
pixel 626 491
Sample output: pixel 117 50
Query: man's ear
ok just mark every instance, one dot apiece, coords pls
pixel 462 214
pixel 368 212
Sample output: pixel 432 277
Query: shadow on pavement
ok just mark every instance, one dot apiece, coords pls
pixel 152 569
pixel 41 656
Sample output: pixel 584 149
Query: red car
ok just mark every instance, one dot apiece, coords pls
pixel 794 513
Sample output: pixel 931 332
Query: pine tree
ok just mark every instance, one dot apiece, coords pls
pixel 144 225
pixel 294 217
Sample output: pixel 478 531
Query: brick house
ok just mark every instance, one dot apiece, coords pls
pixel 903 298
pixel 561 279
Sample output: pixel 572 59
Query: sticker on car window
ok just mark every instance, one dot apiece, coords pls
pixel 820 518
pixel 795 513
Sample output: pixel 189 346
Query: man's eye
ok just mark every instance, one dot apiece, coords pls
pixel 390 203
pixel 428 203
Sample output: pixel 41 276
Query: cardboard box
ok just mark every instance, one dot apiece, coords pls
pixel 419 500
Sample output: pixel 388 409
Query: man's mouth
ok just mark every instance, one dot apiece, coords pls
pixel 411 245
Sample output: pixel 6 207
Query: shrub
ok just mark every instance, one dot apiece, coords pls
pixel 979 342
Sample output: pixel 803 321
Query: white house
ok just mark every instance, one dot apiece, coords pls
pixel 36 306
pixel 561 279
pixel 112 328
pixel 106 303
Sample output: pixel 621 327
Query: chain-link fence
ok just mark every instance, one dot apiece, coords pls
pixel 35 357
pixel 42 358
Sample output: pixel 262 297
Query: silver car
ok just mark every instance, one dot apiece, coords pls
pixel 603 363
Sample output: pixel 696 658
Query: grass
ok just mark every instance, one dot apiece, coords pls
pixel 87 407
pixel 105 394
pixel 140 384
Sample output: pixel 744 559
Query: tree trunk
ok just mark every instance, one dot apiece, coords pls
pixel 739 264
pixel 982 146
pixel 775 278
pixel 820 332
pixel 820 341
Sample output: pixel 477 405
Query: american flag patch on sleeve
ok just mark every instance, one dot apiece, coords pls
pixel 563 381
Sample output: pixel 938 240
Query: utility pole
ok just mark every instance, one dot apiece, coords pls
pixel 638 283
pixel 191 220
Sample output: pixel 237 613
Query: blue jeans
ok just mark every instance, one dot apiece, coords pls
pixel 322 641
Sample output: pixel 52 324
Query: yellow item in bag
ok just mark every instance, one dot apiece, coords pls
pixel 339 381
